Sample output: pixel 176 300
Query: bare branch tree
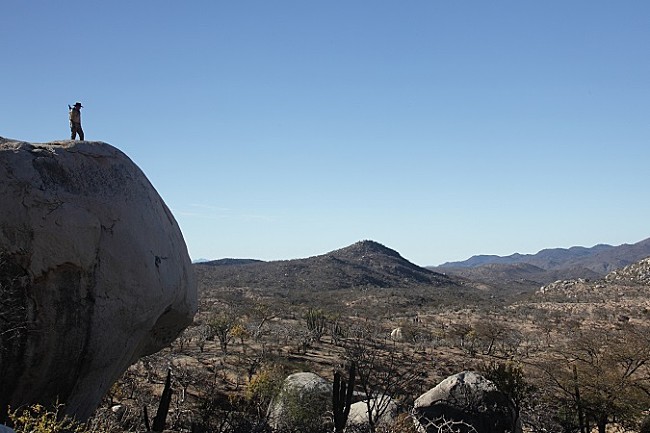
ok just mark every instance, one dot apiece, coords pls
pixel 385 371
pixel 604 373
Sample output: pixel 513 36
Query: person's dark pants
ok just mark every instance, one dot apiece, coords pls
pixel 75 128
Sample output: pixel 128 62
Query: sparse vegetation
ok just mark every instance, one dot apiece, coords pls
pixel 39 419
pixel 568 362
pixel 603 375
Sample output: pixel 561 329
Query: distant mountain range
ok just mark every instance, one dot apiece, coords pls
pixel 369 264
pixel 528 270
pixel 363 264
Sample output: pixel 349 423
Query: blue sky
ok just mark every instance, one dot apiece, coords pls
pixel 286 129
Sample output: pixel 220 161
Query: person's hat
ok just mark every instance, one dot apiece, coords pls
pixel 78 104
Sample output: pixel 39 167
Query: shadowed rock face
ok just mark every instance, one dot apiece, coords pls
pixel 94 272
pixel 466 402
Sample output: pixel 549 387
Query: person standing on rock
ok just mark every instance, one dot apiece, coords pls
pixel 75 121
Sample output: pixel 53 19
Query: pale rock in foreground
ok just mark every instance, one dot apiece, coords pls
pixel 303 389
pixel 94 272
pixel 358 417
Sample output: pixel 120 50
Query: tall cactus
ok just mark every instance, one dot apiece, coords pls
pixel 316 322
pixel 342 393
pixel 163 407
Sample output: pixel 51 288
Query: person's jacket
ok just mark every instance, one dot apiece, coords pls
pixel 75 115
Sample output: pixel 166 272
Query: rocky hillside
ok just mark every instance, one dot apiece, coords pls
pixel 632 281
pixel 363 264
pixel 637 273
pixel 527 272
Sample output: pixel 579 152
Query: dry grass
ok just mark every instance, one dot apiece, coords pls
pixel 447 333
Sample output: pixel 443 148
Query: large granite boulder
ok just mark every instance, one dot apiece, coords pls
pixel 94 272
pixel 466 402
pixel 304 401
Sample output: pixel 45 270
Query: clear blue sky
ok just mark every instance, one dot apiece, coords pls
pixel 286 129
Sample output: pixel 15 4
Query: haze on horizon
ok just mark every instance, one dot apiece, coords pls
pixel 279 130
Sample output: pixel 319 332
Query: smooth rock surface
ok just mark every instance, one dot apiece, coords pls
pixel 94 272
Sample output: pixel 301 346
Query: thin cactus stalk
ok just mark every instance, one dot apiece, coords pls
pixel 145 415
pixel 316 322
pixel 342 393
pixel 163 407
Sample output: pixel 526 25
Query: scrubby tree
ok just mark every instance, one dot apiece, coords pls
pixel 203 334
pixel 240 332
pixel 413 332
pixel 221 325
pixel 509 379
pixel 260 314
pixel 463 332
pixel 384 371
pixel 264 386
pixel 489 332
pixel 604 374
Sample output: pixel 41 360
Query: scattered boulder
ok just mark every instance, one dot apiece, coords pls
pixel 358 416
pixel 467 402
pixel 94 272
pixel 304 399
pixel 397 334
